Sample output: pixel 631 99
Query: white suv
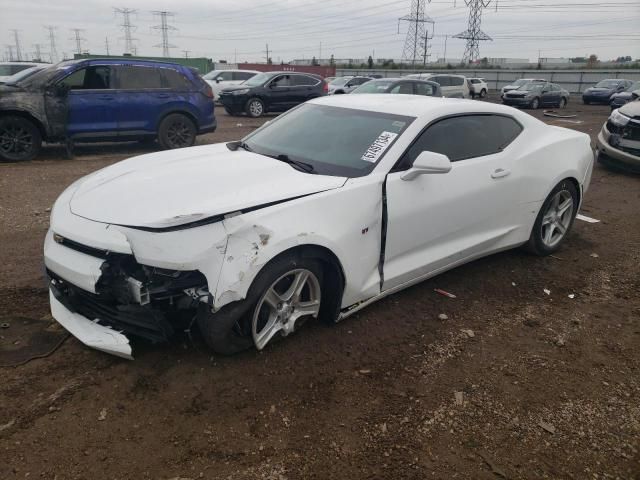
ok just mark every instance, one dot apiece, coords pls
pixel 219 79
pixel 451 86
pixel 478 87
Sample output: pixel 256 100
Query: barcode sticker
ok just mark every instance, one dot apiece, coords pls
pixel 378 147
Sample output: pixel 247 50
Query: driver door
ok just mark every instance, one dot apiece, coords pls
pixel 280 93
pixel 438 220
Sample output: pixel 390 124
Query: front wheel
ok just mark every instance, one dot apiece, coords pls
pixel 535 103
pixel 176 131
pixel 255 107
pixel 20 139
pixel 483 93
pixel 555 219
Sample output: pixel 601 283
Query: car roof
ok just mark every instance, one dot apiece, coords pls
pixel 128 61
pixel 415 105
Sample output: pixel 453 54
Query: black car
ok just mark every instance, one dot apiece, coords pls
pixel 272 92
pixel 399 85
pixel 619 99
pixel 604 89
pixel 537 94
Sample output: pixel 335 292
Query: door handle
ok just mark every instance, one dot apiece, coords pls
pixel 500 172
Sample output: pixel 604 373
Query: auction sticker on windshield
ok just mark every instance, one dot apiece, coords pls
pixel 379 146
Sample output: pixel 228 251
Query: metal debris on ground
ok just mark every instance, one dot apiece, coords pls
pixel 444 293
pixel 443 316
pixel 552 113
pixel 572 295
pixel 594 255
pixel 584 218
pixel 547 291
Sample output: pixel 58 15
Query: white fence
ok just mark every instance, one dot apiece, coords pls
pixel 575 81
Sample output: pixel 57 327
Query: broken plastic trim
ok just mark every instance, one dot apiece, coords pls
pixel 214 218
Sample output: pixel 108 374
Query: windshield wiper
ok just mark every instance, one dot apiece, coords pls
pixel 233 146
pixel 304 166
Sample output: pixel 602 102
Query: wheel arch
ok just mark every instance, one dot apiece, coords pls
pixel 181 111
pixel 27 116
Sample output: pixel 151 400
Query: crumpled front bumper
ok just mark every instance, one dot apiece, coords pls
pixel 89 332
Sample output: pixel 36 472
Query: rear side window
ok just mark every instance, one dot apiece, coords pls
pixel 443 81
pixel 225 76
pixel 456 81
pixel 242 75
pixel 175 80
pixel 139 78
pixel 90 78
pixel 303 80
pixel 404 87
pixel 464 137
pixel 424 89
pixel 282 81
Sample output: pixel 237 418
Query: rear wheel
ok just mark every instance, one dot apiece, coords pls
pixel 535 103
pixel 176 131
pixel 554 220
pixel 20 139
pixel 483 93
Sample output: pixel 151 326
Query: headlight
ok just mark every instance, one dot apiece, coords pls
pixel 618 118
pixel 240 92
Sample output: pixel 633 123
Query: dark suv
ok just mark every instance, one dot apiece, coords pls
pixel 104 100
pixel 272 92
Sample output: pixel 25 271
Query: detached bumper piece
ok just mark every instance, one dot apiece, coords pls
pixel 136 320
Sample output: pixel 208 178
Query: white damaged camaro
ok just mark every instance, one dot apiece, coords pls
pixel 326 209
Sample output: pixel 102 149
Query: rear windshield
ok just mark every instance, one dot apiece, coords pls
pixel 374 86
pixel 340 81
pixel 608 84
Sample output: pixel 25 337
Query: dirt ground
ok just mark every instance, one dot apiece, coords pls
pixel 514 383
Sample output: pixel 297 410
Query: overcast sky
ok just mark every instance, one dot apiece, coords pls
pixel 230 29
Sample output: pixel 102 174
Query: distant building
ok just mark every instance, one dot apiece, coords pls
pixel 554 61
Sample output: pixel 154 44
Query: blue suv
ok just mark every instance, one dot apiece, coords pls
pixel 104 100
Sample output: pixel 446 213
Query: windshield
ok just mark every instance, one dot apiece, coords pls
pixel 520 82
pixel 211 75
pixel 340 81
pixel 607 84
pixel 532 87
pixel 22 75
pixel 374 86
pixel 634 86
pixel 334 140
pixel 257 80
pixel 44 75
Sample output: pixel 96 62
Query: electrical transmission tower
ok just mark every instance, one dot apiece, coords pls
pixel 164 28
pixel 78 39
pixel 53 52
pixel 10 56
pixel 18 50
pixel 473 35
pixel 416 45
pixel 127 28
pixel 37 54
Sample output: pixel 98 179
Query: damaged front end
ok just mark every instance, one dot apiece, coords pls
pixel 128 299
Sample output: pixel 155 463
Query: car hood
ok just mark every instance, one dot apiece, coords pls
pixel 631 109
pixel 623 95
pixel 177 187
pixel 599 90
pixel 233 89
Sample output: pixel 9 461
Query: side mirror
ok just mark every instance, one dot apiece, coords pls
pixel 426 163
pixel 217 80
pixel 58 90
pixel 635 94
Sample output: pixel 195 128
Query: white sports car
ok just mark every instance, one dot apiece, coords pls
pixel 317 214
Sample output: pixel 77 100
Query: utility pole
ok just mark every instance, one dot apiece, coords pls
pixel 16 36
pixel 106 45
pixel 473 35
pixel 267 52
pixel 164 28
pixel 37 54
pixel 127 28
pixel 445 48
pixel 53 52
pixel 78 39
pixel 186 53
pixel 414 47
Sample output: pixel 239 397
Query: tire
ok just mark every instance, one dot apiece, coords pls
pixel 20 139
pixel 255 107
pixel 543 243
pixel 563 103
pixel 483 93
pixel 176 131
pixel 229 111
pixel 236 326
pixel 586 102
pixel 339 92
pixel 535 103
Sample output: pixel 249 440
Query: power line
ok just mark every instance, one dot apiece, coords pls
pixel 18 50
pixel 78 39
pixel 127 28
pixel 164 28
pixel 53 52
pixel 473 34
